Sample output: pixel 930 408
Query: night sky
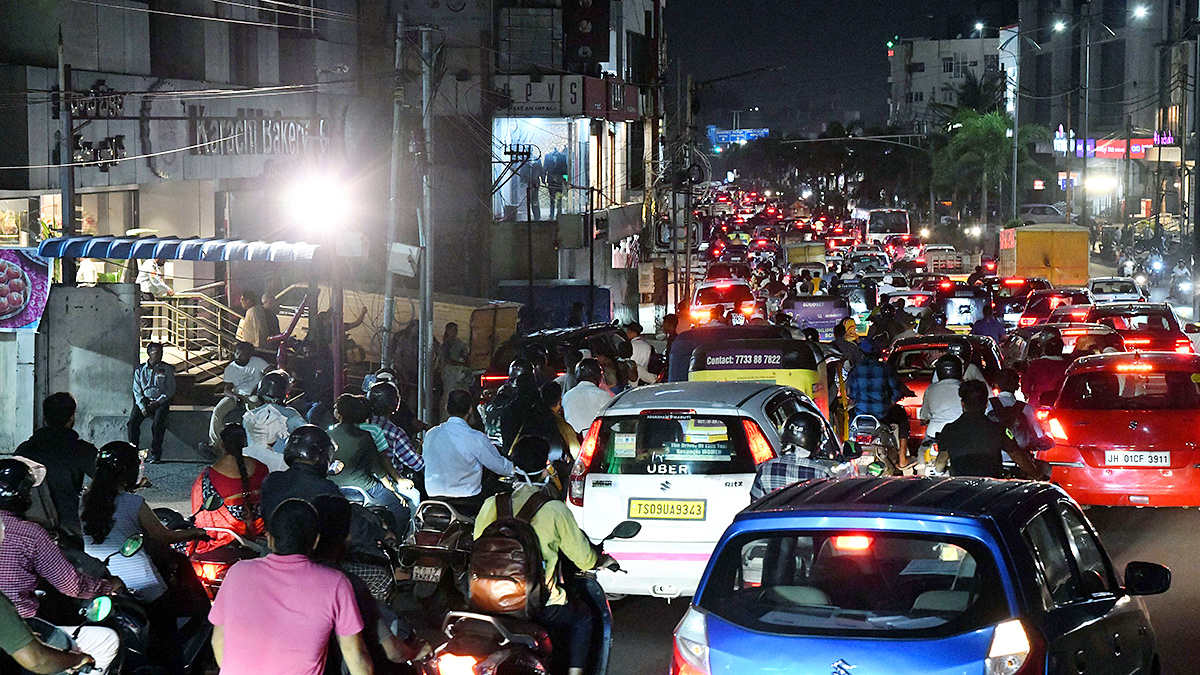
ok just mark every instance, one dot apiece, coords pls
pixel 834 53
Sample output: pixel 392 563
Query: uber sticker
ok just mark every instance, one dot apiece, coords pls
pixel 624 445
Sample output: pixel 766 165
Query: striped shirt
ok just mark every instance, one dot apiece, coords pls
pixel 27 553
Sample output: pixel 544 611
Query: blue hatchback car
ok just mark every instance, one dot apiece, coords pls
pixel 874 576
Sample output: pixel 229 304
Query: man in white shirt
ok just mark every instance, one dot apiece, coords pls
pixel 942 404
pixel 641 351
pixel 586 399
pixel 456 455
pixel 241 378
pixel 151 278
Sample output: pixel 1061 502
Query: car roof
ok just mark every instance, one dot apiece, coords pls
pixel 1132 307
pixel 1095 279
pixel 674 395
pixel 1101 362
pixel 922 340
pixel 564 334
pixel 949 496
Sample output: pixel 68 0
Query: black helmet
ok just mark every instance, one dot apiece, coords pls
pixel 960 347
pixel 589 370
pixel 948 367
pixel 308 444
pixel 122 459
pixel 1051 342
pixel 519 367
pixel 803 430
pixel 384 398
pixel 274 386
pixel 939 319
pixel 16 486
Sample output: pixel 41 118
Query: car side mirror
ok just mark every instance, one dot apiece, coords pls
pixel 1146 578
pixel 1047 399
pixel 1191 328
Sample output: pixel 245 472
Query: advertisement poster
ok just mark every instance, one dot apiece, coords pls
pixel 24 287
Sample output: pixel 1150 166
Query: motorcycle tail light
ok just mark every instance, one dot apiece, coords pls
pixel 456 664
pixel 209 571
pixel 862 438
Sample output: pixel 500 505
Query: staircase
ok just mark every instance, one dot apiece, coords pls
pixel 198 334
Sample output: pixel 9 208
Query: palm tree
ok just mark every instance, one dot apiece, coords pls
pixel 981 94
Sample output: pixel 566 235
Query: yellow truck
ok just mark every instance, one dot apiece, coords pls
pixel 1057 252
pixel 805 251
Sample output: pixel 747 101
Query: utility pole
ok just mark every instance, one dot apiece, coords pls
pixel 1128 172
pixel 1195 184
pixel 1070 153
pixel 1087 110
pixel 389 284
pixel 66 161
pixel 687 198
pixel 426 400
pixel 1016 144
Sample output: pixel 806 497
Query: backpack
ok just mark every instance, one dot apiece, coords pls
pixel 1013 418
pixel 507 574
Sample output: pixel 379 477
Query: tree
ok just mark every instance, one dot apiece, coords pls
pixel 981 94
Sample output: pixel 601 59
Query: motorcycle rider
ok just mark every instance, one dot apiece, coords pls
pixel 384 398
pixel 570 622
pixel 801 438
pixel 28 555
pixel 68 460
pixel 504 396
pixel 456 455
pixel 1017 416
pixel 307 455
pixel 364 466
pixel 526 415
pixel 961 347
pixel 942 404
pixel 875 387
pixel 1047 372
pixel 267 426
pixel 974 445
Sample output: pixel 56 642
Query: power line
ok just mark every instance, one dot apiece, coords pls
pixel 123 159
pixel 162 12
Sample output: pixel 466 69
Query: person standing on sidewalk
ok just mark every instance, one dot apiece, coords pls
pixel 153 390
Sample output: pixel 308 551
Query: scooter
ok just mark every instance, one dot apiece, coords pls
pixel 437 554
pixel 484 643
pixel 210 566
pixel 880 441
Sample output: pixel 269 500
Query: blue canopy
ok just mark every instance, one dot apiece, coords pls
pixel 174 248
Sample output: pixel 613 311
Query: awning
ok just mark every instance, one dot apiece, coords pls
pixel 174 248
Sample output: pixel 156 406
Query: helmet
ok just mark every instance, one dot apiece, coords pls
pixel 939 319
pixel 589 370
pixel 274 386
pixel 308 444
pixel 519 367
pixel 1050 341
pixel 803 431
pixel 384 398
pixel 960 347
pixel 948 367
pixel 16 486
pixel 122 459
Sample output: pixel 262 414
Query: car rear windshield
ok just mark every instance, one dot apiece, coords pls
pixel 1161 390
pixel 1048 303
pixel 1154 322
pixel 714 295
pixel 916 361
pixel 672 443
pixel 854 583
pixel 1126 287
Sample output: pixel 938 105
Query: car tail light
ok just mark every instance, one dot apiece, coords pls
pixel 1056 429
pixel 1184 346
pixel 1026 321
pixel 1137 342
pixel 701 315
pixel 488 381
pixel 1013 282
pixel 1011 650
pixel 691 645
pixel 852 542
pixel 1134 367
pixel 748 311
pixel 760 448
pixel 920 261
pixel 1043 414
pixel 587 450
pixel 456 664
pixel 862 438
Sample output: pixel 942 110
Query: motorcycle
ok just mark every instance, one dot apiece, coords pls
pixel 437 553
pixel 879 441
pixel 210 566
pixel 1181 289
pixel 484 643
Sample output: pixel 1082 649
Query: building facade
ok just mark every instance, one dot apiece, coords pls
pixel 926 71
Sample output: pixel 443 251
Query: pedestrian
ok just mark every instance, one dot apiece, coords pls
pixel 241 378
pixel 642 351
pixel 989 325
pixel 975 445
pixel 152 283
pixel 68 459
pixel 153 390
pixel 586 399
pixel 270 314
pixel 845 341
pixel 456 455
pixel 253 326
pixel 276 614
pixel 875 387
pixel 456 368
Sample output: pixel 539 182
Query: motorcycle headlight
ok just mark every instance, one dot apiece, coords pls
pixel 1158 266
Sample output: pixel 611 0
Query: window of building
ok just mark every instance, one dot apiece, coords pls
pixel 635 173
pixel 530 38
pixel 918 96
pixel 991 61
pixel 916 67
pixel 947 65
pixel 297 14
pixel 176 44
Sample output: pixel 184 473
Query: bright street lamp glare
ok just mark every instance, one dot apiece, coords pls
pixel 1059 26
pixel 1140 11
pixel 979 25
pixel 317 204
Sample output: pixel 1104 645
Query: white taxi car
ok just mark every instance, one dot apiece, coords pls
pixel 680 459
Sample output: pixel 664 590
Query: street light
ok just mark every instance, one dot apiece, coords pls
pixel 979 26
pixel 1060 26
pixel 1140 11
pixel 318 204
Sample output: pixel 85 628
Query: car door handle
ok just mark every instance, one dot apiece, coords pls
pixel 1117 644
pixel 1080 661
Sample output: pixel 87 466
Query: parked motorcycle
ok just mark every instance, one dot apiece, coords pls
pixel 437 554
pixel 484 643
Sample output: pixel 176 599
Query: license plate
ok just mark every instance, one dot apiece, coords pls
pixel 1136 458
pixel 430 574
pixel 668 509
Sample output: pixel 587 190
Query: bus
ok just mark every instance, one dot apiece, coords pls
pixel 883 223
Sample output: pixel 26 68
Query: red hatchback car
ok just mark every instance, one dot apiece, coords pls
pixel 1125 428
pixel 1144 326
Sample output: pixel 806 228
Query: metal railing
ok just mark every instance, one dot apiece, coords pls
pixel 199 332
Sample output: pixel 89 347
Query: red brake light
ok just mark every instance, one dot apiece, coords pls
pixel 456 664
pixel 947 284
pixel 486 380
pixel 852 542
pixel 1056 430
pixel 1137 341
pixel 209 571
pixel 1013 282
pixel 1134 368
pixel 587 450
pixel 760 448
pixel 1043 414
pixel 748 311
pixel 919 300
pixel 920 261
pixel 1184 346
pixel 1026 321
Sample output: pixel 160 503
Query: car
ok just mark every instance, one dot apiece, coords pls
pixel 1010 293
pixel 722 270
pixel 865 261
pixel 1068 313
pixel 928 282
pixel 1116 289
pixel 917 575
pixel 552 345
pixel 942 258
pixel 1014 348
pixel 679 458
pixel 734 252
pixel 839 243
pixel 1124 427
pixel 961 303
pixel 732 296
pixel 684 346
pixel 913 359
pixel 1030 214
pixel 1041 303
pixel 915 301
pixel 766 232
pixel 1144 326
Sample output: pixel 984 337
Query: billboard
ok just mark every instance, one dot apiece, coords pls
pixel 24 288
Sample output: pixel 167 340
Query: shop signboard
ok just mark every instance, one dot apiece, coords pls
pixel 547 96
pixel 24 288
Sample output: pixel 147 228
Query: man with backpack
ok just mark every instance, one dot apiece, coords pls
pixel 528 531
pixel 1017 416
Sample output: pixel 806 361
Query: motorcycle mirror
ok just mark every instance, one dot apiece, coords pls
pixel 99 609
pixel 213 502
pixel 132 545
pixel 336 467
pixel 627 529
pixel 850 450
